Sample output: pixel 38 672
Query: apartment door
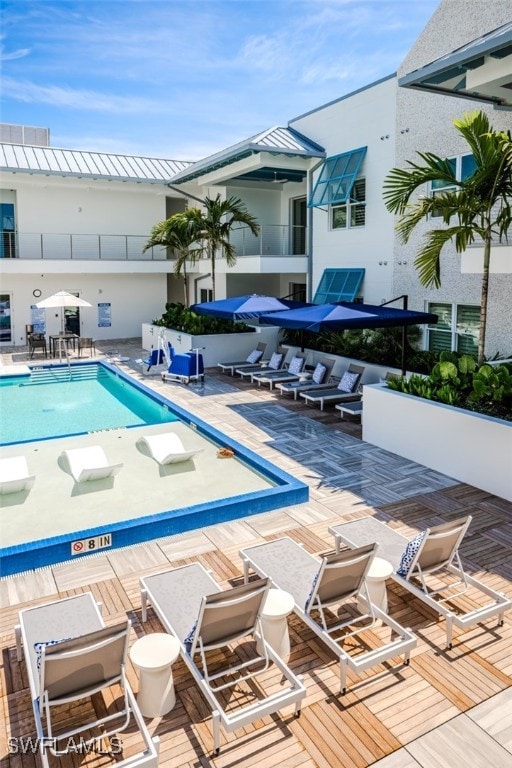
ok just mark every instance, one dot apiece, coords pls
pixel 299 221
pixel 72 318
pixel 7 231
pixel 5 319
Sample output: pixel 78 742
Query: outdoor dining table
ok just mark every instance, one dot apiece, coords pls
pixel 57 338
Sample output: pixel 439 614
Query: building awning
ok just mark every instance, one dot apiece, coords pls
pixel 338 285
pixel 480 70
pixel 337 177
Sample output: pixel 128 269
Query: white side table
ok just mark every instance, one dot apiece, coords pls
pixel 278 605
pixel 380 570
pixel 153 655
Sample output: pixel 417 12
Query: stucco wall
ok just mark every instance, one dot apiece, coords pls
pixel 424 122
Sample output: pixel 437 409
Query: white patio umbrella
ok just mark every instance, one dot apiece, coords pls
pixel 62 299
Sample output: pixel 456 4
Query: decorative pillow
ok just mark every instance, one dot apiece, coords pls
pixel 313 585
pixel 319 373
pixel 409 554
pixel 38 647
pixel 190 638
pixel 296 365
pixel 275 360
pixel 255 356
pixel 348 382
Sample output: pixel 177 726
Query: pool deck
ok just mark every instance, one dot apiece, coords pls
pixel 448 708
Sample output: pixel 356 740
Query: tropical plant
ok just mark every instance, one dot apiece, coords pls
pixel 477 208
pixel 179 233
pixel 214 225
pixel 182 318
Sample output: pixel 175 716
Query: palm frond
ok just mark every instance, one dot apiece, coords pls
pixel 428 260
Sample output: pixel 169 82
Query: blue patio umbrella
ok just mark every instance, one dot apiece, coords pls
pixel 344 315
pixel 249 307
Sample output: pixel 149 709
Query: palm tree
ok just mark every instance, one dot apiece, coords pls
pixel 217 220
pixel 179 233
pixel 479 206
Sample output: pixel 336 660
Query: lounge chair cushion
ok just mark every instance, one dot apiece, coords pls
pixel 319 373
pixel 275 360
pixel 348 382
pixel 296 364
pixel 255 356
pixel 409 554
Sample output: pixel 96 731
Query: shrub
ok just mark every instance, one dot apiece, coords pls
pixel 181 318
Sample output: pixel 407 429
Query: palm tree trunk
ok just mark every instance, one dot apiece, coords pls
pixel 212 256
pixel 185 285
pixel 483 300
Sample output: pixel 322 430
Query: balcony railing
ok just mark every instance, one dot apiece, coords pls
pixel 273 240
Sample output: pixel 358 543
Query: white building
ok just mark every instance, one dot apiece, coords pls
pixel 78 220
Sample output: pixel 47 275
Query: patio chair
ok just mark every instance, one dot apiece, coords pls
pixel 86 342
pixel 203 617
pixel 433 553
pixel 274 364
pixel 89 463
pixel 37 341
pixel 291 372
pixel 333 579
pixel 167 448
pixel 253 359
pixel 70 656
pixel 346 389
pixel 319 377
pixel 14 475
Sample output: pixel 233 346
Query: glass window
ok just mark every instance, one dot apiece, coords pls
pixel 353 212
pixel 463 167
pixel 457 328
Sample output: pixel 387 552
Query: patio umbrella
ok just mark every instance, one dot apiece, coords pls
pixel 346 315
pixel 249 307
pixel 60 300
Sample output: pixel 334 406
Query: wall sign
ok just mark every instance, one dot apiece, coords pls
pixel 38 319
pixel 104 314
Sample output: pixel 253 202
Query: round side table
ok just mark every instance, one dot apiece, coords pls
pixel 278 605
pixel 380 570
pixel 153 655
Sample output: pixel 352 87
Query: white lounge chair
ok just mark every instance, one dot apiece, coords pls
pixel 332 579
pixel 167 448
pixel 203 617
pixel 70 656
pixel 274 364
pixel 433 552
pixel 291 372
pixel 346 389
pixel 253 360
pixel 319 377
pixel 90 463
pixel 14 475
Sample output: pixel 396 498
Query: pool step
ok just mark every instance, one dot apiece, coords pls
pixel 61 375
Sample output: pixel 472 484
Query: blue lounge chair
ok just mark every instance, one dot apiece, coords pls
pixel 347 389
pixel 319 377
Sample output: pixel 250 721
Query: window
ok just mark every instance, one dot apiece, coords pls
pixel 353 212
pixel 337 177
pixel 463 167
pixel 205 294
pixel 457 329
pixel 338 285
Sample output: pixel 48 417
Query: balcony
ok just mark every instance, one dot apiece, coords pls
pixel 273 240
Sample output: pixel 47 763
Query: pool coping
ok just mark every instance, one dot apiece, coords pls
pixel 287 491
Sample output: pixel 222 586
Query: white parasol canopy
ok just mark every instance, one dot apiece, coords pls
pixel 62 299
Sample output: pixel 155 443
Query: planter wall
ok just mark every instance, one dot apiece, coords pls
pixel 469 447
pixel 372 372
pixel 215 348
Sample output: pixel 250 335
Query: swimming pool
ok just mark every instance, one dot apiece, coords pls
pixel 144 501
pixel 53 402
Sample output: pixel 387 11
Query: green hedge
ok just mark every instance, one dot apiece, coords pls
pixel 181 318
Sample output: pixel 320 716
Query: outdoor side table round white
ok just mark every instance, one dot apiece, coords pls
pixel 153 655
pixel 379 571
pixel 278 605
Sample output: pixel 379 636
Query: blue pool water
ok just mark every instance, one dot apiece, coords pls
pixel 54 403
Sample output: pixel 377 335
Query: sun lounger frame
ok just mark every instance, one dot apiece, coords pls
pixel 351 535
pixel 231 721
pixel 404 643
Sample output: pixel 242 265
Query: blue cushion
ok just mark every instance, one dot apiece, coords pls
pixel 38 647
pixel 275 360
pixel 313 585
pixel 319 373
pixel 255 356
pixel 190 638
pixel 348 382
pixel 296 365
pixel 409 554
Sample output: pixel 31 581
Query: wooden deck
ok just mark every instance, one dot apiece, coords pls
pixel 388 707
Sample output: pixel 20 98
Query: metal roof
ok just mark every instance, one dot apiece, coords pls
pixel 276 140
pixel 470 71
pixel 21 158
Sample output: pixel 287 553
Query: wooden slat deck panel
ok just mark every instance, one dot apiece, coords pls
pixel 385 707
